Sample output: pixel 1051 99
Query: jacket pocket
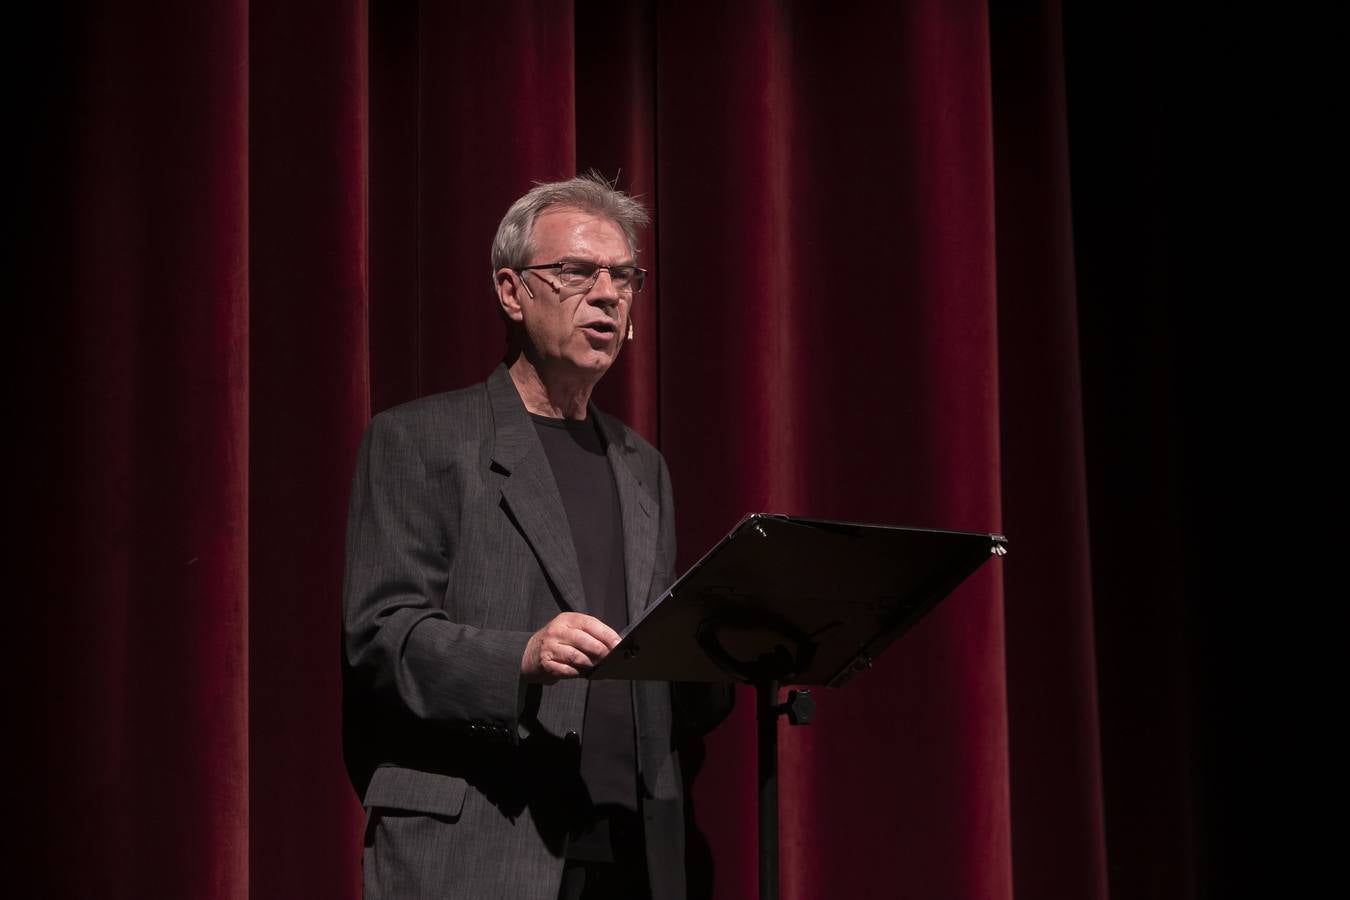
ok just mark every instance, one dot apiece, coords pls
pixel 394 787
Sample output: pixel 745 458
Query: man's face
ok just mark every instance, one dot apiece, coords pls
pixel 574 333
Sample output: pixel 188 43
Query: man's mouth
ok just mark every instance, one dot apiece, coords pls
pixel 601 327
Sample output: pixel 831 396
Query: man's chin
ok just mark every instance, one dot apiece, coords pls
pixel 590 365
pixel 596 361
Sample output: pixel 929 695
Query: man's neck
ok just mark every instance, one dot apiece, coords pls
pixel 553 397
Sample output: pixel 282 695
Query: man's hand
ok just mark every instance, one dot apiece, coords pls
pixel 566 647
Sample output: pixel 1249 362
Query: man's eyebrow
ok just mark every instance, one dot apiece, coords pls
pixel 627 261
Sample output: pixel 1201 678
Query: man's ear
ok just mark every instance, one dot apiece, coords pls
pixel 509 295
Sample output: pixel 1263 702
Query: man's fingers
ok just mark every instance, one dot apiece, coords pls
pixel 568 655
pixel 598 630
pixel 587 643
pixel 560 669
pixel 568 645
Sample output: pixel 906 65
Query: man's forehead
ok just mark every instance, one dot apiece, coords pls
pixel 562 227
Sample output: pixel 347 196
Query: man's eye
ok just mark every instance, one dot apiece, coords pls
pixel 577 270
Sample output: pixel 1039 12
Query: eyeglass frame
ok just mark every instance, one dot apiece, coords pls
pixel 639 273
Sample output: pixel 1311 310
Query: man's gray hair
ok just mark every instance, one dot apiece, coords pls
pixel 591 193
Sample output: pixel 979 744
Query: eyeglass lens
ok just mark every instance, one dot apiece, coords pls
pixel 581 273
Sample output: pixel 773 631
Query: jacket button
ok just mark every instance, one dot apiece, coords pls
pixel 572 738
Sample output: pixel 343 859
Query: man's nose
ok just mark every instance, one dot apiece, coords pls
pixel 603 290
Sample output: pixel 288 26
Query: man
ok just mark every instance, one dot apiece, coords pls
pixel 498 539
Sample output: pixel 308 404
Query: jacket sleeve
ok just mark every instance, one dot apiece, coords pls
pixel 398 641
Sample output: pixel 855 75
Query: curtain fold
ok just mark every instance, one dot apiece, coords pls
pixel 144 572
pixel 724 132
pixel 267 221
pixel 309 381
pixel 1059 842
pixel 1155 465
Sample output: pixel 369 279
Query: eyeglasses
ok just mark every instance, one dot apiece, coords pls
pixel 578 276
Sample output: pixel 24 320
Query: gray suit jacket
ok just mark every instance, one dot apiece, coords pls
pixel 458 549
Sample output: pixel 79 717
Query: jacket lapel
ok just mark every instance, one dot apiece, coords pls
pixel 529 490
pixel 639 515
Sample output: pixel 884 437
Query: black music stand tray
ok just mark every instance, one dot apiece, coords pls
pixel 781 600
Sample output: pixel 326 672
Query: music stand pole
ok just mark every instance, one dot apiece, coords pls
pixel 767 712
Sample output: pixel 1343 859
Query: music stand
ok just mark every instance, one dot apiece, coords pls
pixel 783 599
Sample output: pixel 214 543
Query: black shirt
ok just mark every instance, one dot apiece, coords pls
pixel 608 753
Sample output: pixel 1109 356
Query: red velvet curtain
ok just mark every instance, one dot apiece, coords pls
pixel 254 224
